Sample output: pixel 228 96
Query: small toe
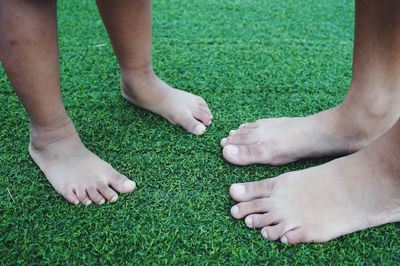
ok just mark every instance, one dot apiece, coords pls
pixel 122 183
pixel 71 197
pixel 95 196
pixel 251 190
pixel 83 197
pixel 240 139
pixel 273 232
pixel 260 220
pixel 192 125
pixel 248 125
pixel 255 206
pixel 108 193
pixel 243 155
pixel 295 236
pixel 203 117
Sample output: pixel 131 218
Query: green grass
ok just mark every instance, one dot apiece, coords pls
pixel 249 59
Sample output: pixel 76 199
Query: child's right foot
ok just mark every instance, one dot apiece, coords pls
pixel 74 171
pixel 341 130
pixel 146 90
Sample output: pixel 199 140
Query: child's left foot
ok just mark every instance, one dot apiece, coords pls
pixel 321 203
pixel 179 107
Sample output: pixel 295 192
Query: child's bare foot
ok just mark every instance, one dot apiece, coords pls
pixel 74 171
pixel 338 131
pixel 147 91
pixel 321 203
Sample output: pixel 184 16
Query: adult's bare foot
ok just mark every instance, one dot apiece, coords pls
pixel 146 90
pixel 337 131
pixel 346 195
pixel 74 171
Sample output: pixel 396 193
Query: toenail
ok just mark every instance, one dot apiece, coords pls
pixel 101 202
pixel 232 150
pixel 264 233
pixel 249 221
pixel 232 132
pixel 223 141
pixel 114 199
pixel 88 202
pixel 199 129
pixel 284 240
pixel 76 202
pixel 129 184
pixel 235 210
pixel 239 189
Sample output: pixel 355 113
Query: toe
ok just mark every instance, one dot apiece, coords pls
pixel 82 196
pixel 121 183
pixel 273 232
pixel 241 139
pixel 243 155
pixel 294 237
pixel 260 220
pixel 251 190
pixel 255 206
pixel 108 193
pixel 71 197
pixel 95 196
pixel 248 125
pixel 203 117
pixel 189 123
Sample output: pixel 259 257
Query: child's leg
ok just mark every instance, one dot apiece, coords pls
pixel 351 193
pixel 129 26
pixel 370 108
pixel 29 54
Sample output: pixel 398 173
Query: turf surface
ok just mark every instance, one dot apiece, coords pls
pixel 249 59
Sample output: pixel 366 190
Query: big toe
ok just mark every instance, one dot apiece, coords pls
pixel 242 154
pixel 122 183
pixel 251 190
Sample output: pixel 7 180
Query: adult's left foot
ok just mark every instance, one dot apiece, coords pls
pixel 321 203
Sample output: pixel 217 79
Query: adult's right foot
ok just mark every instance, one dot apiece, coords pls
pixel 74 171
pixel 337 131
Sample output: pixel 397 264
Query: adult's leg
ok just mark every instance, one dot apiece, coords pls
pixel 29 54
pixel 348 194
pixel 129 26
pixel 370 108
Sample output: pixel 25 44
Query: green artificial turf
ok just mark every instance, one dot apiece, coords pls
pixel 249 59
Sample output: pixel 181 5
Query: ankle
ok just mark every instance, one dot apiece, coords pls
pixel 140 73
pixel 43 136
pixel 370 119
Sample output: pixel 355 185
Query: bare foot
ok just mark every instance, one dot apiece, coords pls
pixel 147 91
pixel 346 195
pixel 74 171
pixel 277 141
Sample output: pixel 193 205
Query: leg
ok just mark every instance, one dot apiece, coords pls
pixel 351 193
pixel 370 108
pixel 129 26
pixel 29 54
pixel 346 195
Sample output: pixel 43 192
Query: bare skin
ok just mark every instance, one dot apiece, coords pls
pixel 322 203
pixel 348 194
pixel 369 110
pixel 129 26
pixel 29 54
